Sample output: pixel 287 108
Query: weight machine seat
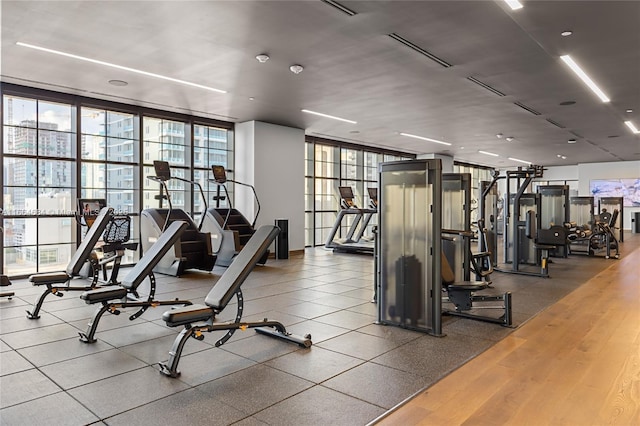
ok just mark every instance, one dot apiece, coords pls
pixel 80 256
pixel 449 278
pixel 228 284
pixel 104 294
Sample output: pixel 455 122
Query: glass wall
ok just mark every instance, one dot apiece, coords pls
pixel 330 164
pixel 57 148
pixel 478 174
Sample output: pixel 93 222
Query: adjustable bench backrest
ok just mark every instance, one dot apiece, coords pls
pixel 151 258
pixel 614 218
pixel 241 267
pixel 448 276
pixel 89 242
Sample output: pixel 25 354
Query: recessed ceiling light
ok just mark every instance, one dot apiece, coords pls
pixel 564 157
pixel 120 67
pixel 509 138
pixel 118 83
pixel 252 98
pixel 513 4
pixel 629 111
pixel 584 77
pixel 632 127
pixel 489 153
pixel 329 116
pixel 519 161
pixel 566 33
pixel 566 103
pixel 262 58
pixel 296 69
pixel 499 135
pixel 572 141
pixel 409 135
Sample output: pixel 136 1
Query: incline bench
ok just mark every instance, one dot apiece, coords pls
pixel 82 254
pixel 125 295
pixel 222 292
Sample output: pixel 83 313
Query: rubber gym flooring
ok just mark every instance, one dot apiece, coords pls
pixel 354 372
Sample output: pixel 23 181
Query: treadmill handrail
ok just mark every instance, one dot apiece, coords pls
pixel 255 195
pixel 163 183
pixel 204 198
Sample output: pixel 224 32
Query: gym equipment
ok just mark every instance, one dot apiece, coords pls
pixel 611 204
pixel 197 319
pixel 599 238
pixel 554 212
pixel 488 218
pixel 53 280
pixel 115 238
pixel 462 295
pixel 521 244
pixel 579 226
pixel 352 242
pixel 366 218
pixel 193 250
pixel 229 228
pixel 409 245
pixel 4 281
pixel 126 293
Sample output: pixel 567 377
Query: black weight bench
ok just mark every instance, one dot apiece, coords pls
pixel 462 296
pixel 125 295
pixel 4 282
pixel 222 292
pixel 83 254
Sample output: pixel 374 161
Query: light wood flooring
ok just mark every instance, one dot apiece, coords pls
pixel 576 363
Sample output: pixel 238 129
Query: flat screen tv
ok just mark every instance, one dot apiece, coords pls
pixel 629 189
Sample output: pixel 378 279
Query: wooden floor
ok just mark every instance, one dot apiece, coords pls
pixel 576 363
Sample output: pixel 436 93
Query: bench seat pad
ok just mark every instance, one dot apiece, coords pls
pixel 187 315
pixel 104 294
pixel 467 286
pixel 49 278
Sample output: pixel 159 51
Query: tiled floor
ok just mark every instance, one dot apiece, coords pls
pixel 354 372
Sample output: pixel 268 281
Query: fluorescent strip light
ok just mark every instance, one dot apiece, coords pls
pixel 519 161
pixel 584 77
pixel 489 153
pixel 329 116
pixel 632 127
pixel 513 4
pixel 425 139
pixel 120 67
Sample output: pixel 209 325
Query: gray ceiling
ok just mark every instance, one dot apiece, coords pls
pixel 354 70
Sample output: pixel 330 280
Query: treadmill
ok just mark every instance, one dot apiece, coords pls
pixel 353 242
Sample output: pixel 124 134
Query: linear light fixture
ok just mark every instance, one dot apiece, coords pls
pixel 519 161
pixel 632 127
pixel 120 67
pixel 513 4
pixel 329 116
pixel 584 77
pixel 409 135
pixel 489 153
pixel 342 8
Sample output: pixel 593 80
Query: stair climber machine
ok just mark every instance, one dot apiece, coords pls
pixel 230 229
pixel 194 248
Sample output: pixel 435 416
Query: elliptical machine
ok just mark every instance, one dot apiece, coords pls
pixel 194 249
pixel 229 228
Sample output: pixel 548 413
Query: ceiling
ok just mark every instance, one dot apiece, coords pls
pixel 353 69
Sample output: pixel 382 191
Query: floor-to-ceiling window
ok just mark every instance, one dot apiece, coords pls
pixel 329 165
pixel 58 148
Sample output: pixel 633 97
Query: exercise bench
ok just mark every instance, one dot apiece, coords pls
pixel 462 295
pixel 217 299
pixel 59 282
pixel 125 294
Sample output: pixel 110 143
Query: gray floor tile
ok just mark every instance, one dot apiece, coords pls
pixel 347 319
pixel 189 407
pixel 121 393
pixel 61 350
pixel 250 421
pixel 255 388
pixel 25 386
pixel 13 362
pixel 395 385
pixel 359 345
pixel 316 364
pixel 338 301
pixel 135 333
pixel 308 310
pixel 395 334
pixel 211 364
pixel 90 368
pixel 4 347
pixel 39 335
pixel 320 406
pixel 157 350
pixel 52 410
pixel 318 331
pixel 260 347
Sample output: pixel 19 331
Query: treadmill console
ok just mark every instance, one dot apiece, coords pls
pixel 346 193
pixel 219 174
pixel 373 195
pixel 163 172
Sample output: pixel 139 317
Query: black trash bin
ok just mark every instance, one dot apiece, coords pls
pixel 282 240
pixel 636 223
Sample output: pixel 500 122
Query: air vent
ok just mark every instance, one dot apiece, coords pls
pixel 531 110
pixel 555 123
pixel 486 86
pixel 340 7
pixel 420 50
